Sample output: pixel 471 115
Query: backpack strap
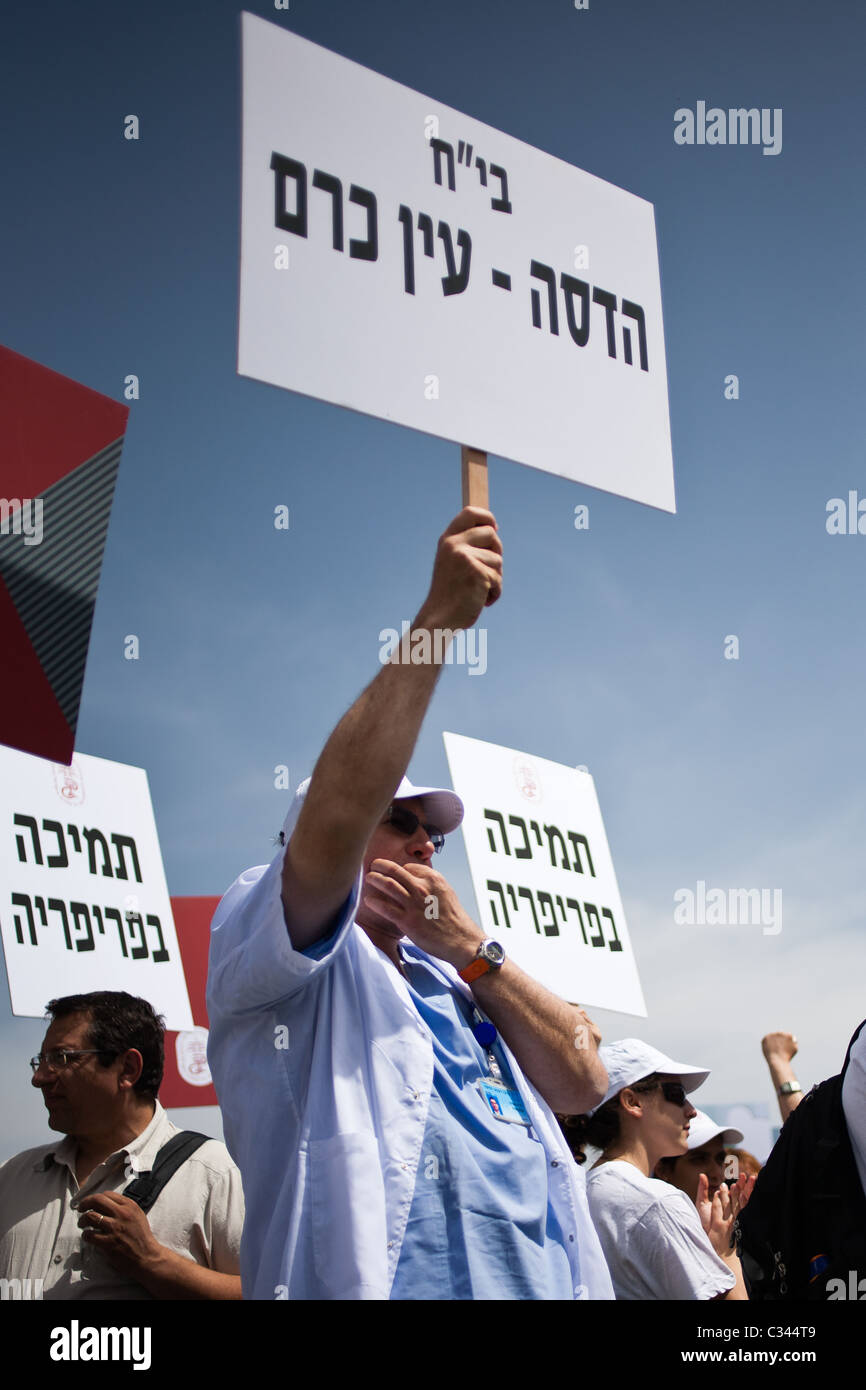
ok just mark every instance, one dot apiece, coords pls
pixel 147 1186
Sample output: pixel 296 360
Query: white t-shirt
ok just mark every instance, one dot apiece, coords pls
pixel 854 1103
pixel 652 1237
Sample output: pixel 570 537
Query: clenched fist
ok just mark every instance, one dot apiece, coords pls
pixel 467 572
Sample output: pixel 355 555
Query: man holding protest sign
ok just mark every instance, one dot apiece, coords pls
pixel 395 1141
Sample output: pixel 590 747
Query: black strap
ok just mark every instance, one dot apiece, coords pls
pixel 147 1186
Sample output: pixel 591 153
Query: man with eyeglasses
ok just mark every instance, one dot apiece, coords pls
pixel 67 1230
pixel 385 1073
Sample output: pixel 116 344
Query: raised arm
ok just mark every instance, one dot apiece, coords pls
pixel 365 757
pixel 779 1051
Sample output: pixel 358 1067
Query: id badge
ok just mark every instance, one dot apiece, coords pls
pixel 503 1102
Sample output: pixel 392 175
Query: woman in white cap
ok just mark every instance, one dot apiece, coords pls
pixel 700 1172
pixel 652 1235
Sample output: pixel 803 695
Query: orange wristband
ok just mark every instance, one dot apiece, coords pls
pixel 471 972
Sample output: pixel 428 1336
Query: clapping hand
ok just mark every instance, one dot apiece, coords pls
pixel 719 1213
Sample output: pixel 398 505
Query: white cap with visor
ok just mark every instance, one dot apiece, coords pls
pixel 630 1060
pixel 445 807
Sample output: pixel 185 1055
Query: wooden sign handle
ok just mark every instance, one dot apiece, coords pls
pixel 473 466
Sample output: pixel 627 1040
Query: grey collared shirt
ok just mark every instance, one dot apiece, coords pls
pixel 199 1214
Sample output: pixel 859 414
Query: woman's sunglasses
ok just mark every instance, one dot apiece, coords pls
pixel 673 1091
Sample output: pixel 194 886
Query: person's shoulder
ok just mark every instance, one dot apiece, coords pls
pixel 28 1159
pixel 214 1156
pixel 237 892
pixel 621 1185
pixel 671 1209
pixel 674 1199
pixel 616 1172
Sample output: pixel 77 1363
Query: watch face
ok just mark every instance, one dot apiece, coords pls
pixel 493 952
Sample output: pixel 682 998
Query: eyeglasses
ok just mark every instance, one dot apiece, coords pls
pixel 673 1091
pixel 60 1058
pixel 407 823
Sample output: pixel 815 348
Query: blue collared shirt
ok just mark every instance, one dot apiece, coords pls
pixel 480 1225
pixel 324 1070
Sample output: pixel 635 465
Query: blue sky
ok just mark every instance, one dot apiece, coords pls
pixel 122 257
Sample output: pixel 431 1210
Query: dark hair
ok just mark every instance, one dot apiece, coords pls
pixel 602 1127
pixel 117 1021
pixel 746 1162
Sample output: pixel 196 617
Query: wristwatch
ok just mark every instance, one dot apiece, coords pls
pixel 790 1088
pixel 489 956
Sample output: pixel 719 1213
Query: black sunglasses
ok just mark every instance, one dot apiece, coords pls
pixel 407 823
pixel 673 1091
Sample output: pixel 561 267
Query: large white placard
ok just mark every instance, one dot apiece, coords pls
pixel 83 898
pixel 408 261
pixel 542 872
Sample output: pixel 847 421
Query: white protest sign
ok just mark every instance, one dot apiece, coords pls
pixel 543 877
pixel 83 898
pixel 405 260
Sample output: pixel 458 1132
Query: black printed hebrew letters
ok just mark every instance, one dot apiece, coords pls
pixel 636 312
pixel 96 843
pixel 455 282
pixel 551 831
pixel 556 842
pixel 592 916
pixel 34 835
pixel 457 278
pixel 616 944
pixel 366 249
pixel 440 147
pixel 122 842
pixel 94 838
pixel 491 884
pixel 580 840
pixel 312 203
pixel 544 272
pixel 540 907
pixel 500 203
pixel 329 184
pixel 298 219
pixel 22 900
pixel 139 937
pixel 526 851
pixel 550 914
pixel 59 859
pixel 574 290
pixel 571 286
pixel 285 168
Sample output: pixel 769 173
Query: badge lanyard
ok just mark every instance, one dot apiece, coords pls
pixel 503 1101
pixel 486 1035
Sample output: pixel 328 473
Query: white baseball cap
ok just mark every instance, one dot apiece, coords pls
pixel 446 808
pixel 703 1130
pixel 631 1060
